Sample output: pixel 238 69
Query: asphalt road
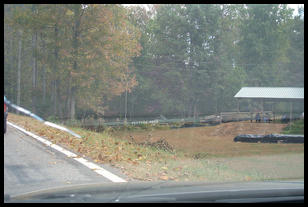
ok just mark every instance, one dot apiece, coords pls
pixel 30 166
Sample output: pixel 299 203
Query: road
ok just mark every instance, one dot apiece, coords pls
pixel 30 166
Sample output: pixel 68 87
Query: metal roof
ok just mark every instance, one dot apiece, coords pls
pixel 270 93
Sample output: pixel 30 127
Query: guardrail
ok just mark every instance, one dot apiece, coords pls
pixel 29 113
pixel 184 122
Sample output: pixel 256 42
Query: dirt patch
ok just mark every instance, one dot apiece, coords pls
pixel 160 144
pixel 216 140
pixel 236 128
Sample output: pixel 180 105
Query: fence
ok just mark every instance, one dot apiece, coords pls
pixel 244 116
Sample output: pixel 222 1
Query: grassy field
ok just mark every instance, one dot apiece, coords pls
pixel 200 153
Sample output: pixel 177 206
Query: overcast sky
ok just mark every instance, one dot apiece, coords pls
pixel 293 6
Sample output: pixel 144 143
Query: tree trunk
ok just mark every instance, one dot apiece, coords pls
pixel 72 105
pixel 55 101
pixel 44 84
pixel 75 42
pixel 68 99
pixel 195 109
pixel 120 107
pixel 34 66
pixel 44 70
pixel 34 40
pixel 19 69
pixel 125 107
pixel 131 113
pixel 12 68
pixel 55 69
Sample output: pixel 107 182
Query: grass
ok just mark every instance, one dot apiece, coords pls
pixel 297 127
pixel 201 154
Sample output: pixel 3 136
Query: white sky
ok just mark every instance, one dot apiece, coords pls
pixel 293 6
pixel 142 5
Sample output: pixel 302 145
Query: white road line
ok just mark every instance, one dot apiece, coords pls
pixel 98 169
pixel 64 151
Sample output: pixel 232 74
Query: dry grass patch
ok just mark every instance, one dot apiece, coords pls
pixel 252 168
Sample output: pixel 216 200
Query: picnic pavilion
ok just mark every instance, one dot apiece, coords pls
pixel 271 94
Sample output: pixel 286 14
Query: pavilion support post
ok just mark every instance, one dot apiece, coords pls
pixel 238 109
pixel 262 108
pixel 273 111
pixel 291 106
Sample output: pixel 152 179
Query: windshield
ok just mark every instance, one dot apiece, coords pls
pixel 112 93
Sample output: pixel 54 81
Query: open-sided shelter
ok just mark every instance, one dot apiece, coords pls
pixel 289 94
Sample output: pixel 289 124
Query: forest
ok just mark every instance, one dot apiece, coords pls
pixel 74 61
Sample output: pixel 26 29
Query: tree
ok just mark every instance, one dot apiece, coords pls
pixel 74 60
pixel 105 49
pixel 183 60
pixel 264 43
pixel 295 65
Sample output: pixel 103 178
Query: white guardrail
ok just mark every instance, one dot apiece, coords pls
pixel 29 113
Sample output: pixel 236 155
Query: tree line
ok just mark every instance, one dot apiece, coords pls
pixel 71 61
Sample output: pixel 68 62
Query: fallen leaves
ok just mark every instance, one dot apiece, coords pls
pixel 164 168
pixel 247 178
pixel 177 168
pixel 79 149
pixel 106 149
pixel 117 157
pixel 164 177
pixel 135 162
pixel 100 157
